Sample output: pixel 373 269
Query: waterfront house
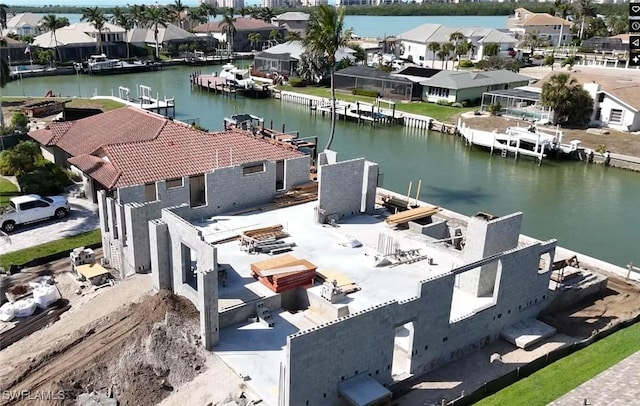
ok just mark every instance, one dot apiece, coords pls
pixel 15 51
pixel 413 45
pixel 293 21
pixel 555 30
pixel 130 149
pixel 458 86
pixel 23 24
pixel 385 84
pixel 170 37
pixel 244 26
pixel 78 41
pixel 283 58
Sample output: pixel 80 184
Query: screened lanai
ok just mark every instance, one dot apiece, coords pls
pixel 387 85
pixel 519 103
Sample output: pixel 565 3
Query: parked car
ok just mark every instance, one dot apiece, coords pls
pixel 32 208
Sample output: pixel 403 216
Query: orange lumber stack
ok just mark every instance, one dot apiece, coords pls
pixel 284 272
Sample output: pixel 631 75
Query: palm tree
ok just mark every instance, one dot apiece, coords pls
pixel 209 11
pixel 460 49
pixel 156 17
pixel 254 38
pixel 228 26
pixel 584 8
pixel 533 41
pixel 267 14
pixel 96 17
pixel 434 47
pixel 244 11
pixel 567 98
pixel 491 49
pixel 122 19
pixel 3 16
pixel 177 10
pixel 51 23
pixel 274 35
pixel 138 15
pixel 445 53
pixel 325 36
pixel 293 36
pixel 549 60
pixel 360 54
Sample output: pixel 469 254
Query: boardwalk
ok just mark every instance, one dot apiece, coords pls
pixel 618 385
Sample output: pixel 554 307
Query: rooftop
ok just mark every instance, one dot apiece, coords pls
pixel 427 33
pixel 241 24
pixel 293 49
pixel 463 80
pixel 292 16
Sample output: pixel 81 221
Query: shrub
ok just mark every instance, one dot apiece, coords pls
pixel 296 82
pixel 458 105
pixel 444 102
pixel 46 180
pixel 494 108
pixel 364 92
pixel 19 121
pixel 465 63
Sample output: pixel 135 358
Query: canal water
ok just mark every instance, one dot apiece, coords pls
pixel 588 208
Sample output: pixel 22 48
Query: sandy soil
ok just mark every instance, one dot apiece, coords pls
pixel 616 141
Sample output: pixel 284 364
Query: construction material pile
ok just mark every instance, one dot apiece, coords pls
pixel 267 240
pixel 406 216
pixel 284 272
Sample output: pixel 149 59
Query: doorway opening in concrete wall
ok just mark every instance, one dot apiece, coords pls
pixel 189 267
pixel 197 195
pixel 545 264
pixel 402 351
pixel 279 175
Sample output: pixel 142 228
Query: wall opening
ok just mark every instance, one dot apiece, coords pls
pixel 402 351
pixel 197 195
pixel 280 175
pixel 189 267
pixel 545 263
pixel 150 192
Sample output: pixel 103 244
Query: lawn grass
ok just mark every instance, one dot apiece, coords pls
pixel 7 191
pixel 439 112
pixel 64 245
pixel 562 376
pixel 104 105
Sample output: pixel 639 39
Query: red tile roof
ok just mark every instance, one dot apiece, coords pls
pixel 128 146
pixel 241 24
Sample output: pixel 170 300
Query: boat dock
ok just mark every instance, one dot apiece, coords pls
pixel 220 85
pixel 144 100
pixel 362 112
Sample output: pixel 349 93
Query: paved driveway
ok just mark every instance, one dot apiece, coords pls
pixel 83 217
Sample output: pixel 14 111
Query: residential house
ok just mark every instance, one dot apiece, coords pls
pixel 78 41
pixel 170 37
pixel 617 43
pixel 386 84
pixel 555 30
pixel 244 27
pixel 616 101
pixel 293 21
pixel 413 45
pixel 456 87
pixel 15 51
pixel 283 58
pixel 23 24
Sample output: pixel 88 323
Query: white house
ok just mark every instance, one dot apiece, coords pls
pixel 555 30
pixel 23 24
pixel 414 44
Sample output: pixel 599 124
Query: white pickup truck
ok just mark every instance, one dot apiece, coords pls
pixel 31 208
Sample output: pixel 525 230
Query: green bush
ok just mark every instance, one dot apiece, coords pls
pixel 296 82
pixel 465 63
pixel 458 105
pixel 444 102
pixel 48 179
pixel 364 92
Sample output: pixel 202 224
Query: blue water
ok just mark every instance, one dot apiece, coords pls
pixel 379 26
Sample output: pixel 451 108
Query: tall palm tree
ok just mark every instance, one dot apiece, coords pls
pixel 445 54
pixel 244 11
pixel 228 26
pixel 434 47
pixel 254 38
pixel 177 12
pixel 95 16
pixel 51 23
pixel 267 14
pixel 209 11
pixel 462 48
pixel 274 35
pixel 490 49
pixel 156 17
pixel 585 9
pixel 533 41
pixel 138 15
pixel 123 19
pixel 293 36
pixel 3 16
pixel 325 36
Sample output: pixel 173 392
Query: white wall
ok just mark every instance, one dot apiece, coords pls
pixel 630 118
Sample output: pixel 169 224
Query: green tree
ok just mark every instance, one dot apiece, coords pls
pixel 549 60
pixel 23 158
pixel 228 26
pixel 490 49
pixel 19 122
pixel 52 23
pixel 124 20
pixel 95 16
pixel 584 9
pixel 177 12
pixel 45 56
pixel 274 35
pixel 498 63
pixel 293 36
pixel 209 11
pixel 434 47
pixel 254 38
pixel 312 68
pixel 325 35
pixel 3 16
pixel 156 17
pixel 617 24
pixel 533 41
pixel 267 14
pixel 445 54
pixel 462 49
pixel 138 15
pixel 569 61
pixel 359 55
pixel 567 98
pixel 4 75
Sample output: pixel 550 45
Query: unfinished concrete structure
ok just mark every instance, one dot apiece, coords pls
pixel 309 347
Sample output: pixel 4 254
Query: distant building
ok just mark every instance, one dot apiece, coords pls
pixel 78 41
pixel 283 58
pixel 342 3
pixel 244 27
pixel 224 3
pixel 555 30
pixel 314 3
pixel 414 44
pixel 169 37
pixel 293 21
pixel 23 24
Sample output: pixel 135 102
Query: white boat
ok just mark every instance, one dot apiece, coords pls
pixel 97 63
pixel 236 76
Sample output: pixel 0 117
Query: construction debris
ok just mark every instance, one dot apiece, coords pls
pixel 265 240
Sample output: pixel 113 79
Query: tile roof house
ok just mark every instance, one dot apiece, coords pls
pixel 244 26
pixel 293 21
pixel 616 103
pixel 556 30
pixel 170 36
pixel 78 41
pixel 414 44
pixel 23 24
pixel 283 58
pixel 127 147
pixel 455 86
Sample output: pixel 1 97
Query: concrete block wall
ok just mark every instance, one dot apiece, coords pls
pixel 131 194
pixel 320 358
pixel 340 188
pixel 240 313
pixel 136 253
pixel 160 255
pixel 486 238
pixel 296 171
pixel 173 196
pixel 181 233
pixel 371 171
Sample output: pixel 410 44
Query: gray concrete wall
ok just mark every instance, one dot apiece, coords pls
pixel 340 188
pixel 136 253
pixel 131 194
pixel 240 313
pixel 318 359
pixel 296 171
pixel 160 255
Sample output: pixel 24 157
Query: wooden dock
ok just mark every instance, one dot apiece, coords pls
pixel 218 85
pixel 361 113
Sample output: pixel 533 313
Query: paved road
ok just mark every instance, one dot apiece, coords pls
pixel 618 385
pixel 83 217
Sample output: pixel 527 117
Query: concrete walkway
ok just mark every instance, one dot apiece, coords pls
pixel 618 385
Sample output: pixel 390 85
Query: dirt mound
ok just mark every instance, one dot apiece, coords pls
pixel 619 302
pixel 137 355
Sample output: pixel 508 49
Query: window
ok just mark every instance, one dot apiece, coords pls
pixel 256 168
pixel 40 203
pixel 600 97
pixel 598 114
pixel 150 192
pixel 495 87
pixel 421 58
pixel 615 116
pixel 438 91
pixel 174 183
pixel 27 206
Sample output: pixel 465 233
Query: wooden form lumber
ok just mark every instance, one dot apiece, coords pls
pixel 411 215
